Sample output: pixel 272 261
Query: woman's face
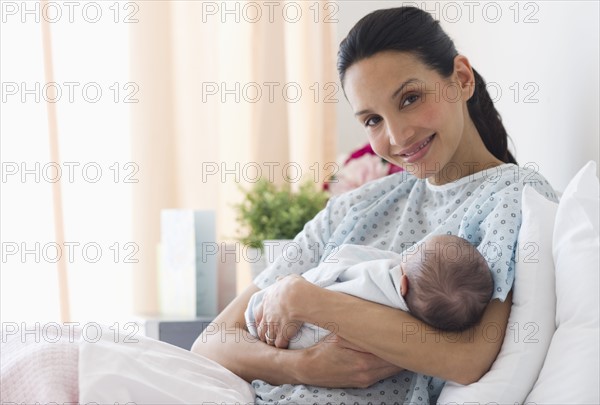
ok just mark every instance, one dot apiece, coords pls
pixel 415 118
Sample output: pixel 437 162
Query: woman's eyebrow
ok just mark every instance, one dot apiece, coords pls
pixel 403 85
pixel 361 112
pixel 394 95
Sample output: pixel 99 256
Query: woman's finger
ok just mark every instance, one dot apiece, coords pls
pixel 269 333
pixel 270 336
pixel 258 315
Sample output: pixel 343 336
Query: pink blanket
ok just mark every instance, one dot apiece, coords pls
pixel 56 365
pixel 39 365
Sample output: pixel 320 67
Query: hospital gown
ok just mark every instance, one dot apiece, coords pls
pixel 394 213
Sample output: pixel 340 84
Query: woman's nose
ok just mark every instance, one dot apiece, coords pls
pixel 397 134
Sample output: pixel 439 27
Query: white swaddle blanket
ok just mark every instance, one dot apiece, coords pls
pixel 363 271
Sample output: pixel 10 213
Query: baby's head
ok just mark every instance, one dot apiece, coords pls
pixel 446 282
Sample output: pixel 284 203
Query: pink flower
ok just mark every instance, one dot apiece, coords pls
pixel 394 169
pixel 361 166
pixel 357 172
pixel 359 152
pixel 368 150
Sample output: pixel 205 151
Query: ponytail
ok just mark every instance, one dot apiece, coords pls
pixel 488 122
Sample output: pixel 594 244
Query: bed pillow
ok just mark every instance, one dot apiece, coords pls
pixel 570 373
pixel 531 322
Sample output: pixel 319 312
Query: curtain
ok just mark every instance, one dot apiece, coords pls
pixel 65 143
pixel 160 108
pixel 228 92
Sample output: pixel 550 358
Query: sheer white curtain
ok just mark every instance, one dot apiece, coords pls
pixel 218 100
pixel 155 96
pixel 90 66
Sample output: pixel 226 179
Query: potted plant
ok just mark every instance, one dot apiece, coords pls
pixel 270 212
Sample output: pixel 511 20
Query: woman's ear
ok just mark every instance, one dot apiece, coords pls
pixel 464 75
pixel 403 285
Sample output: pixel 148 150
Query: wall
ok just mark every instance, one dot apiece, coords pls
pixel 543 59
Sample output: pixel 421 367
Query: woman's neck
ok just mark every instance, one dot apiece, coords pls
pixel 452 174
pixel 471 157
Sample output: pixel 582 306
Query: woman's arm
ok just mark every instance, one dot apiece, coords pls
pixel 390 334
pixel 227 342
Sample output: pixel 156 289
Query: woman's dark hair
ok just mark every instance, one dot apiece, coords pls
pixel 409 29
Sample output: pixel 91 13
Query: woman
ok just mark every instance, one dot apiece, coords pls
pixel 424 108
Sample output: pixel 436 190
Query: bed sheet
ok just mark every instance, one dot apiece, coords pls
pixel 150 371
pixel 63 365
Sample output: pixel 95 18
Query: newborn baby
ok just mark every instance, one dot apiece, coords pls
pixel 443 281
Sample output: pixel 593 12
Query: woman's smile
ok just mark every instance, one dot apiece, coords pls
pixel 417 151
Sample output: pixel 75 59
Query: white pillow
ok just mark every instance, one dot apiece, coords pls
pixel 570 373
pixel 531 321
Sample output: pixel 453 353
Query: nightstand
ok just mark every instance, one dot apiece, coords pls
pixel 178 332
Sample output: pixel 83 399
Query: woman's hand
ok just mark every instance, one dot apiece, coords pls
pixel 274 322
pixel 334 362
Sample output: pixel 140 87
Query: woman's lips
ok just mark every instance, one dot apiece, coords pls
pixel 418 151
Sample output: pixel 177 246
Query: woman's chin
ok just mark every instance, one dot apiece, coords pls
pixel 423 169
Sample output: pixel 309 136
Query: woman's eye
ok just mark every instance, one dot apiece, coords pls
pixel 410 99
pixel 372 121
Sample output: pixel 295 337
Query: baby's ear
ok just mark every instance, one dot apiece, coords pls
pixel 403 285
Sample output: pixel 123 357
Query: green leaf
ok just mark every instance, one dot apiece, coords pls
pixel 275 212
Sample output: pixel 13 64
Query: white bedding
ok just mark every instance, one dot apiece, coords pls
pixel 147 371
pixel 154 372
pixel 38 365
